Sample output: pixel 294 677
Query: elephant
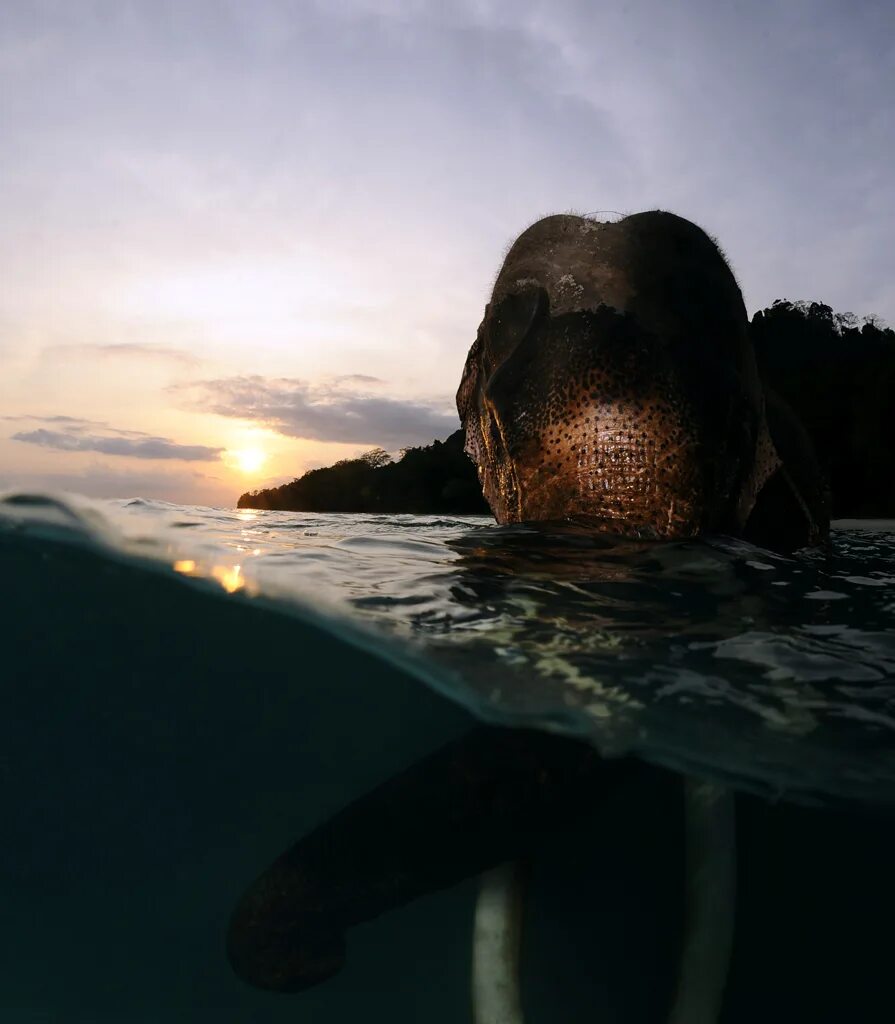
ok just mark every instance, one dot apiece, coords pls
pixel 613 381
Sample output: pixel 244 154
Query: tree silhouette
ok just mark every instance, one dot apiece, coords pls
pixel 376 458
pixel 838 378
pixel 436 479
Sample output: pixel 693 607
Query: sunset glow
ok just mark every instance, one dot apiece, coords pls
pixel 248 460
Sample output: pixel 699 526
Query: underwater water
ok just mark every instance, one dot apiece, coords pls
pixel 187 691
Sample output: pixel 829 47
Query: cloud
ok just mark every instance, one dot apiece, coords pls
pixel 101 481
pixel 127 443
pixel 76 425
pixel 330 412
pixel 357 378
pixel 127 350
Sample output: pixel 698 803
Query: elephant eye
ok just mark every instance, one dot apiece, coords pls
pixel 512 319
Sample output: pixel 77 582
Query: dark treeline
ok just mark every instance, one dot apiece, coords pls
pixel 837 373
pixel 437 479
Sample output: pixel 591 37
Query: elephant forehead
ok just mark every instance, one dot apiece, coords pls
pixel 662 265
pixel 577 264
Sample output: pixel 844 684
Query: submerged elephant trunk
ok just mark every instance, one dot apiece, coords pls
pixel 473 804
pixel 612 380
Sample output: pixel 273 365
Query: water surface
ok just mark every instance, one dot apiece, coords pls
pixel 773 673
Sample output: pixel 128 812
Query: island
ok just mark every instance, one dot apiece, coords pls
pixel 436 479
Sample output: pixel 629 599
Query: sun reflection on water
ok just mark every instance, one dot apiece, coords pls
pixel 229 576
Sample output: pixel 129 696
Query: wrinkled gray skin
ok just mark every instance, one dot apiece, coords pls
pixel 612 381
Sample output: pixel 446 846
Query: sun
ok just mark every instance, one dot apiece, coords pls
pixel 248 460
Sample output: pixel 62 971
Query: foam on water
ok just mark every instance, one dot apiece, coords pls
pixel 772 673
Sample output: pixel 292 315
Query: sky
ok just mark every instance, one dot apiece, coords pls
pixel 241 240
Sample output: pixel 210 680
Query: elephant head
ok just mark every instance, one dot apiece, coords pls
pixel 612 381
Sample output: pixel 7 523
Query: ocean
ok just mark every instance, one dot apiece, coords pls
pixel 190 690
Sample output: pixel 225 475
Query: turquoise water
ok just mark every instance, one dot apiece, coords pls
pixel 187 691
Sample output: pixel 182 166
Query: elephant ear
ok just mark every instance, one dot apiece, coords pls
pixel 469 381
pixel 792 510
pixel 512 319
